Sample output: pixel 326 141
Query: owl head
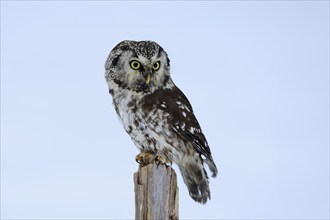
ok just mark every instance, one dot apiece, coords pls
pixel 140 66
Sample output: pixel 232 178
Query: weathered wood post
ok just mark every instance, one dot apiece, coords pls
pixel 156 193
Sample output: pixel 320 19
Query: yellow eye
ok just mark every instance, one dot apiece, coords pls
pixel 135 65
pixel 156 66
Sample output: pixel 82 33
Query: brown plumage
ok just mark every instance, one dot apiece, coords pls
pixel 156 114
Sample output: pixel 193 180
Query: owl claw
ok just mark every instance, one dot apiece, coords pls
pixel 145 158
pixel 157 163
pixel 137 159
pixel 159 160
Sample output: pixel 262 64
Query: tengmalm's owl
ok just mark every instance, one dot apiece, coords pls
pixel 156 114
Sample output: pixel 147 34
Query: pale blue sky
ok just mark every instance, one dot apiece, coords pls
pixel 256 73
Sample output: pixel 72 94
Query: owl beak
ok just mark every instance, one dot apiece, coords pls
pixel 148 79
pixel 147 75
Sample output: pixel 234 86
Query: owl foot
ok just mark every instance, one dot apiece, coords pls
pixel 159 160
pixel 162 161
pixel 145 158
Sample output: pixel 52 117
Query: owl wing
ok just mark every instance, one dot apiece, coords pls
pixel 181 119
pixel 185 124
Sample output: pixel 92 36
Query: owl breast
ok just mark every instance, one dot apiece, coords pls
pixel 147 125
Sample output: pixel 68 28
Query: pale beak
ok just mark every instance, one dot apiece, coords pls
pixel 148 79
pixel 147 75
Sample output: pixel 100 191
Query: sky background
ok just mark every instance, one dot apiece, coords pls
pixel 257 76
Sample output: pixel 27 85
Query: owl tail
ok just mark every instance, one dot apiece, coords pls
pixel 196 179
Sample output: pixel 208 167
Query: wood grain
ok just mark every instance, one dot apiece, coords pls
pixel 156 193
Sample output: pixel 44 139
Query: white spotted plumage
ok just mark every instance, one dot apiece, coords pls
pixel 156 114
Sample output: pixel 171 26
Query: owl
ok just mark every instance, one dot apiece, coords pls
pixel 157 115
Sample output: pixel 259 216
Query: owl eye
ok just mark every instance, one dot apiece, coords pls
pixel 135 65
pixel 156 66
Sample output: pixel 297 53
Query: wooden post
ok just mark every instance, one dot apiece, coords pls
pixel 156 193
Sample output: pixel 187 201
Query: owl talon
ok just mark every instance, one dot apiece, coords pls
pixel 159 160
pixel 168 164
pixel 157 163
pixel 137 159
pixel 145 158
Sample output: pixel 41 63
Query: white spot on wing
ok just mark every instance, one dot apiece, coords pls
pixel 180 105
pixel 187 109
pixel 183 125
